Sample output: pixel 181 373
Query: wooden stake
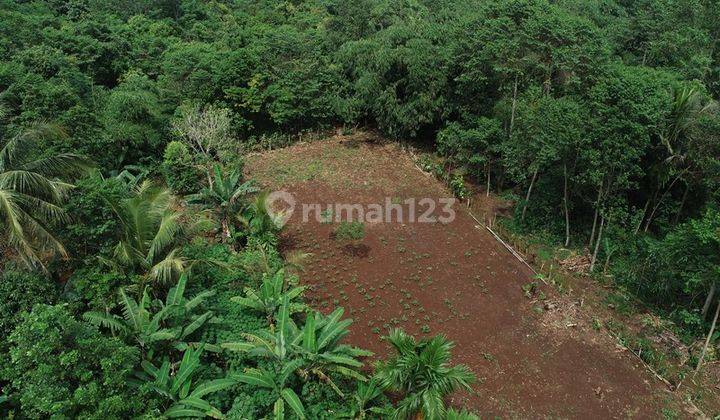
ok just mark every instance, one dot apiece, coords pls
pixel 707 340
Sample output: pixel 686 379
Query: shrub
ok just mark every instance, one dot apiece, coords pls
pixel 19 292
pixel 97 287
pixel 61 367
pixel 250 404
pixel 321 402
pixel 457 185
pixel 93 220
pixel 350 231
pixel 181 175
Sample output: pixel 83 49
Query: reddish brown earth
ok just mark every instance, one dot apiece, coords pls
pixel 454 279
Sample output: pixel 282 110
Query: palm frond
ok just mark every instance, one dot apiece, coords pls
pixel 14 152
pixel 294 402
pixel 31 183
pixel 104 320
pixel 198 299
pixel 12 216
pixel 61 165
pixel 131 311
pixel 166 234
pixel 168 269
pixel 254 376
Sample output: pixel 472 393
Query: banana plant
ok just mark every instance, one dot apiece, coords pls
pixel 269 297
pixel 316 346
pixel 175 383
pixel 322 351
pixel 273 343
pixel 174 322
pixel 277 382
pixel 260 223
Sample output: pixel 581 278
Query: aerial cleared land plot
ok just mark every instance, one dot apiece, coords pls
pixel 453 279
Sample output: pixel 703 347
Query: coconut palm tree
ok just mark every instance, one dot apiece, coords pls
pixel 152 231
pixel 688 107
pixel 32 190
pixel 420 371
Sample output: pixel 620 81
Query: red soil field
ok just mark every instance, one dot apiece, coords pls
pixel 453 279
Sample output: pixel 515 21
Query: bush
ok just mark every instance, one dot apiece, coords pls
pixel 251 404
pixel 93 220
pixel 457 185
pixel 350 231
pixel 321 401
pixel 19 292
pixel 181 175
pixel 97 287
pixel 61 367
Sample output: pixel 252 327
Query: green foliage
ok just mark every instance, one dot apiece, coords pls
pixel 457 186
pixel 275 381
pixel 226 195
pixel 421 373
pixel 132 121
pixel 322 352
pixel 453 414
pixel 311 351
pixel 96 286
pixel 150 233
pixel 181 174
pixel 681 266
pixel 31 193
pixel 598 117
pixel 174 321
pixel 368 401
pixel 260 224
pixel 180 388
pixel 19 292
pixel 349 231
pixel 272 293
pixel 470 145
pixel 320 401
pixel 93 223
pixel 60 366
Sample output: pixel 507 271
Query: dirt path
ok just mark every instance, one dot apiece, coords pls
pixel 454 279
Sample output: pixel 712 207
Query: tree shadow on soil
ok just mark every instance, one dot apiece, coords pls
pixel 356 250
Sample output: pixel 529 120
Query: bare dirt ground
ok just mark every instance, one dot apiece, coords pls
pixel 534 352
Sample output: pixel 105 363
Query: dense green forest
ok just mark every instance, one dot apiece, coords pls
pixel 141 274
